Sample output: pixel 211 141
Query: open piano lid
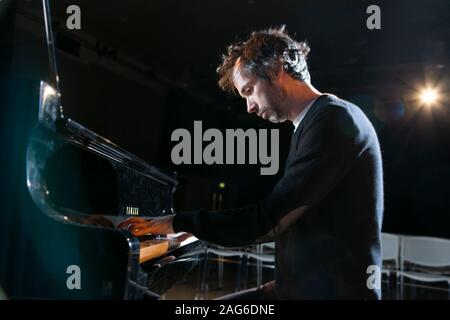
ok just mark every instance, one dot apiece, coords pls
pixel 86 185
pixel 75 175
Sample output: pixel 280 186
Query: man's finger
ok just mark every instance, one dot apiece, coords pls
pixel 140 231
pixel 139 226
pixel 127 222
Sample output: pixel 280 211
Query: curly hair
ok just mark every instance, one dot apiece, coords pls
pixel 262 55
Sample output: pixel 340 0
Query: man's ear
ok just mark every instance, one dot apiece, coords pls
pixel 282 76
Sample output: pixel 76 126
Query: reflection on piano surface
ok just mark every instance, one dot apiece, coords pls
pixel 85 181
pixel 89 185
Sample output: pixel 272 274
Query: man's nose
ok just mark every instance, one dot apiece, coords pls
pixel 251 106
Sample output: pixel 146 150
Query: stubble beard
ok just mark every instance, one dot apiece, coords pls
pixel 279 112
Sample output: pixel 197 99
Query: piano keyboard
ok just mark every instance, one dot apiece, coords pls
pixel 151 248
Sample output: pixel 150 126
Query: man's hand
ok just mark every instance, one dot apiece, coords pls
pixel 140 226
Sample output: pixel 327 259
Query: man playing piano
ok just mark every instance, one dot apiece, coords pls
pixel 325 213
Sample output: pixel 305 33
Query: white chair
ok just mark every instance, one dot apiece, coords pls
pixel 265 253
pixel 268 245
pixel 430 255
pixel 222 253
pixel 390 247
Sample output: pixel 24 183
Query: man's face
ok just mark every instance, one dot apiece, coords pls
pixel 266 99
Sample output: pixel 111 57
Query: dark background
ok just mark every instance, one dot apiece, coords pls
pixel 139 69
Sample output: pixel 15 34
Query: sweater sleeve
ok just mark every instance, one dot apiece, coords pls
pixel 324 154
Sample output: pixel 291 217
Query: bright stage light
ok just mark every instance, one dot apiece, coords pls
pixel 429 96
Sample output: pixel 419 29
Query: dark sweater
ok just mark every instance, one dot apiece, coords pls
pixel 325 213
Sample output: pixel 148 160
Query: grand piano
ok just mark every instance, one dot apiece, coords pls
pixel 87 185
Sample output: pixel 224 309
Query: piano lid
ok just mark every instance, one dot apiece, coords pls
pixel 74 173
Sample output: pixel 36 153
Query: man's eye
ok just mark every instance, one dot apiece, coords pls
pixel 248 91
